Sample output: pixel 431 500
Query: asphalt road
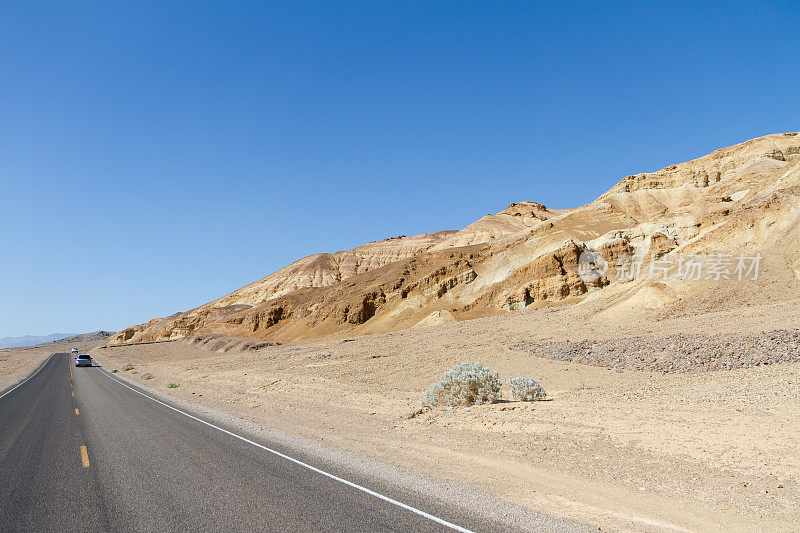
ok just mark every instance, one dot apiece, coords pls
pixel 81 451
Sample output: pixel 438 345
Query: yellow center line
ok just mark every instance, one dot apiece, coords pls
pixel 76 411
pixel 84 457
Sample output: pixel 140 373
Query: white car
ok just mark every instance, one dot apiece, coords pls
pixel 74 350
pixel 83 359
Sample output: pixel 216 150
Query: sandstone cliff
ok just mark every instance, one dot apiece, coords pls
pixel 736 200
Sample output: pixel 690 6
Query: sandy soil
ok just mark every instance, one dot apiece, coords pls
pixel 18 363
pixel 620 449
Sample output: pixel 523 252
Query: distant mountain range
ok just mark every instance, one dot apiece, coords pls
pixel 62 338
pixel 31 340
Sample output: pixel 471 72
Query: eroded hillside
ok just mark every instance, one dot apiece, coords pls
pixel 744 199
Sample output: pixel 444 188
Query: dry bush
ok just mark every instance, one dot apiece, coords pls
pixel 526 389
pixel 464 385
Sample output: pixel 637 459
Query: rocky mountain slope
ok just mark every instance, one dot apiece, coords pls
pixel 727 211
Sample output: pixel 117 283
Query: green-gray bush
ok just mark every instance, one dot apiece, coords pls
pixel 148 375
pixel 172 385
pixel 526 389
pixel 463 385
pixel 125 368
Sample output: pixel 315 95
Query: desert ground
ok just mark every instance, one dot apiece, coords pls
pixel 698 447
pixel 17 363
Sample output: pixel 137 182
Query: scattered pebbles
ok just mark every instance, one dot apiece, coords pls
pixel 674 354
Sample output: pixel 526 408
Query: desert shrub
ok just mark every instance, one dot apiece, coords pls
pixel 147 375
pixel 114 371
pixel 526 389
pixel 125 368
pixel 465 384
pixel 172 385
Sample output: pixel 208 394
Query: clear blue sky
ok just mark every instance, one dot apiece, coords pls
pixel 157 155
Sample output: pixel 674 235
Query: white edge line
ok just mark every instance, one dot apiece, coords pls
pixel 21 383
pixel 301 463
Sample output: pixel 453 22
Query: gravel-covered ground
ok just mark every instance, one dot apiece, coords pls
pixel 676 353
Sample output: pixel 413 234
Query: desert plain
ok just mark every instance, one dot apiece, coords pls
pixel 621 449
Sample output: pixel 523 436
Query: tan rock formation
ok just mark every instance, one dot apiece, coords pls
pixel 740 199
